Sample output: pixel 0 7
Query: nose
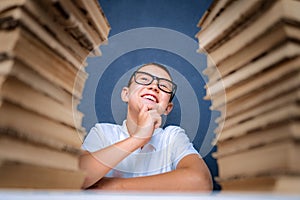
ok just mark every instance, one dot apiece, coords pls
pixel 154 86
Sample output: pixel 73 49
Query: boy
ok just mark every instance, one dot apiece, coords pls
pixel 139 155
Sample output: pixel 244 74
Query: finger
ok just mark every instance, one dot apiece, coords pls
pixel 144 109
pixel 150 107
pixel 158 122
pixel 156 118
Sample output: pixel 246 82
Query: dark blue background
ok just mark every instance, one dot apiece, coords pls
pixel 179 15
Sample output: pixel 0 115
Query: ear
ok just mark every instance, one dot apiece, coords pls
pixel 125 94
pixel 169 108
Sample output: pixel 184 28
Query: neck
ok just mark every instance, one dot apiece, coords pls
pixel 131 123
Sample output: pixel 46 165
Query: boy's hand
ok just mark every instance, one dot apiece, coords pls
pixel 148 120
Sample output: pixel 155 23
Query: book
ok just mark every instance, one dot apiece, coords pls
pixel 44 46
pixel 278 157
pixel 287 112
pixel 75 37
pixel 272 183
pixel 287 10
pixel 286 84
pixel 27 152
pixel 19 17
pixel 258 110
pixel 270 134
pixel 96 17
pixel 26 74
pixel 16 91
pixel 40 15
pixel 76 23
pixel 15 175
pixel 212 13
pixel 286 51
pixel 56 70
pixel 23 123
pixel 234 14
pixel 274 37
pixel 253 60
pixel 255 85
pixel 266 79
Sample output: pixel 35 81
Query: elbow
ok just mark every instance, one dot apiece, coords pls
pixel 86 183
pixel 200 182
pixel 205 184
pixel 89 181
pixel 87 171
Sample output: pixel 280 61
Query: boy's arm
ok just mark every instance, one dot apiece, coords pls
pixel 191 174
pixel 99 163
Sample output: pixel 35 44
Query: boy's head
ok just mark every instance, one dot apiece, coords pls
pixel 150 84
pixel 131 79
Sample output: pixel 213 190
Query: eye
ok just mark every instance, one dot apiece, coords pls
pixel 165 86
pixel 144 78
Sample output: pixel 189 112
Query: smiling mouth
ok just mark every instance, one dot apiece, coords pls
pixel 150 97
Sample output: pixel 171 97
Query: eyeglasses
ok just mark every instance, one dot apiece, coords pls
pixel 165 85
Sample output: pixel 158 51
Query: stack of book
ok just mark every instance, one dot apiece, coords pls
pixel 253 67
pixel 44 45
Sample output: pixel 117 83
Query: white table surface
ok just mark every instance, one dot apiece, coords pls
pixel 94 195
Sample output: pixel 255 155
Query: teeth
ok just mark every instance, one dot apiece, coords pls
pixel 150 98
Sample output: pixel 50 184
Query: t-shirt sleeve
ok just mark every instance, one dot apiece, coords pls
pixel 95 139
pixel 181 146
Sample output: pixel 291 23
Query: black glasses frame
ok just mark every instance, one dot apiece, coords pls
pixel 174 86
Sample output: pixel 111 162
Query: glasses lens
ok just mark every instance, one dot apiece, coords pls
pixel 165 85
pixel 142 78
pixel 146 79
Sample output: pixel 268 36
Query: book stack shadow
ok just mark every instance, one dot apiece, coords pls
pixel 253 70
pixel 43 51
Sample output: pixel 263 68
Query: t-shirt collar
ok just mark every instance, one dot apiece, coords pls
pixel 152 144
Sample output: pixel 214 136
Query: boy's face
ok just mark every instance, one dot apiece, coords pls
pixel 138 95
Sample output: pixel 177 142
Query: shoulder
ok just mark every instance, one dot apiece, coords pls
pixel 101 135
pixel 174 130
pixel 107 130
pixel 174 133
pixel 105 127
pixel 100 126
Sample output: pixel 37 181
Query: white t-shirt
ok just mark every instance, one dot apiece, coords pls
pixel 162 154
